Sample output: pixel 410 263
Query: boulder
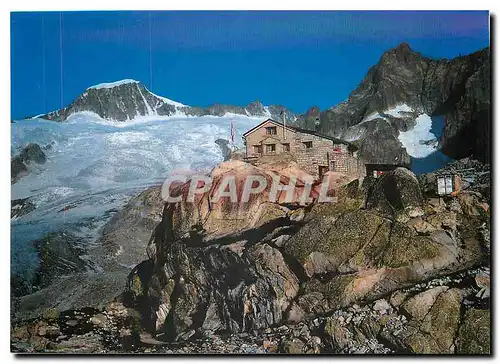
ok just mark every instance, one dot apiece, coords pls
pixel 336 336
pixel 381 306
pixel 396 193
pixel 436 330
pixel 419 305
pixel 293 346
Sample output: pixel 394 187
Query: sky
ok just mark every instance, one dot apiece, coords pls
pixel 297 59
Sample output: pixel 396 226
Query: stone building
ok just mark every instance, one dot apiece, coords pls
pixel 315 153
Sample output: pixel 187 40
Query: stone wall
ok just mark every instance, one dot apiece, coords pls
pixel 310 159
pixel 310 151
pixel 344 161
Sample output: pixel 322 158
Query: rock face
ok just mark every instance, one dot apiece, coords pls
pixel 18 164
pixel 121 101
pixel 33 153
pixel 275 277
pixel 224 147
pixel 128 99
pixel 125 235
pixel 206 276
pixel 17 169
pixel 59 254
pixel 458 89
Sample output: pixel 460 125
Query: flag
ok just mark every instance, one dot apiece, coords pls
pixel 231 132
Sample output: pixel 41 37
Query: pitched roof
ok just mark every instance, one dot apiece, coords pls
pixel 300 130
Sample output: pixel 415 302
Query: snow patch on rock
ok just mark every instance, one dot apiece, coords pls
pixel 419 142
pixel 168 101
pixel 395 111
pixel 398 109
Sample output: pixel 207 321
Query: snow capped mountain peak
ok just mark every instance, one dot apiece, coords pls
pixel 117 101
pixel 113 84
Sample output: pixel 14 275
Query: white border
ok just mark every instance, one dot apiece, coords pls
pixel 54 5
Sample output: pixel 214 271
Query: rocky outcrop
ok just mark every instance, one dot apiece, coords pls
pixel 33 153
pixel 224 148
pixel 206 276
pixel 292 278
pixel 18 164
pixel 17 169
pixel 126 234
pixel 20 207
pixel 458 89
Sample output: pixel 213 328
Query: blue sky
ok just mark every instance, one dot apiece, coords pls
pixel 297 59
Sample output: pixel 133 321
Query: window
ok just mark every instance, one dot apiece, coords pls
pixel 257 149
pixel 286 147
pixel 270 148
pixel 308 145
pixel 271 130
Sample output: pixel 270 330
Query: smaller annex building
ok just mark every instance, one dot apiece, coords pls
pixel 315 153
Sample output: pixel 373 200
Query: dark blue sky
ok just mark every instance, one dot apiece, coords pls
pixel 298 59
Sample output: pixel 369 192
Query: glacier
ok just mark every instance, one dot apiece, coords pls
pixel 94 166
pixel 422 144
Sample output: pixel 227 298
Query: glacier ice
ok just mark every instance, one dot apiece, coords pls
pixel 417 141
pixel 94 166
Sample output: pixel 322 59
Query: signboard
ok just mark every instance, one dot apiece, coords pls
pixel 444 185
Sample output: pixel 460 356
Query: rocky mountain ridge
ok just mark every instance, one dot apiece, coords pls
pixel 456 89
pixel 127 100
